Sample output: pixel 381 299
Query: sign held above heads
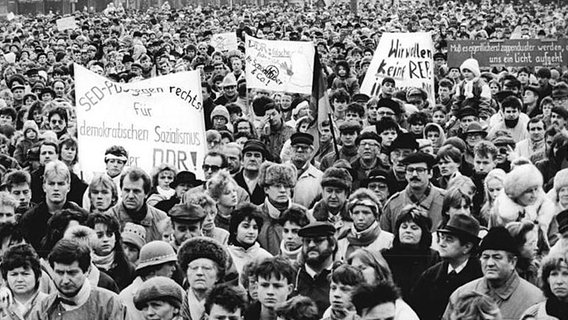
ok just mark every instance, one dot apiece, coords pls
pixel 159 120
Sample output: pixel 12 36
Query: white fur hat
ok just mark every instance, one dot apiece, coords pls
pixel 472 65
pixel 520 179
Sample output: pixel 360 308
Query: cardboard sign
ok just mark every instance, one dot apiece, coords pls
pixel 408 58
pixel 66 23
pixel 225 41
pixel 285 66
pixel 510 53
pixel 159 120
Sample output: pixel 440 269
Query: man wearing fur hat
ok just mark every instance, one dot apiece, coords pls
pixel 336 186
pixel 419 191
pixel 500 279
pixel 307 188
pixel 472 87
pixel 278 181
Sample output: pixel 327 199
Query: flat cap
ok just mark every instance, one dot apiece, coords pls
pixel 301 137
pixel 317 229
pixel 186 213
pixel 350 126
pixel 255 145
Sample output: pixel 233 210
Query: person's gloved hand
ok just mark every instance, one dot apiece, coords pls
pixel 5 299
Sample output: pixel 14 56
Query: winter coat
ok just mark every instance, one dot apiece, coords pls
pixel 242 256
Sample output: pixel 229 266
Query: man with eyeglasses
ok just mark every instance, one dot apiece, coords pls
pixel 400 148
pixel 307 187
pixel 58 120
pixel 535 143
pixel 253 155
pixel 369 149
pixel 212 163
pixel 419 192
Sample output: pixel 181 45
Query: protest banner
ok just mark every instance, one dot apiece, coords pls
pixel 66 23
pixel 511 53
pixel 405 57
pixel 225 41
pixel 159 120
pixel 284 66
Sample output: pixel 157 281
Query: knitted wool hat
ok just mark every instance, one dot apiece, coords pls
pixel 561 180
pixel 134 234
pixel 159 288
pixel 520 179
pixel 275 173
pixel 202 247
pixel 155 253
pixel 220 111
pixel 471 65
pixel 337 177
pixel 30 124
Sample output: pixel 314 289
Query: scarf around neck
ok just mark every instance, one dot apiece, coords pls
pixel 290 254
pixel 365 237
pixel 103 262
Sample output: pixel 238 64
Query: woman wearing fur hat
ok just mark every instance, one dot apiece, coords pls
pixel 364 209
pixel 278 181
pixel 472 87
pixel 522 197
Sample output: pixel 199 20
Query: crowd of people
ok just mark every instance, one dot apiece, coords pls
pixel 393 208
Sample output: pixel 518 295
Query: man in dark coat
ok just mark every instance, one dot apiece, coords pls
pixel 253 155
pixel 457 241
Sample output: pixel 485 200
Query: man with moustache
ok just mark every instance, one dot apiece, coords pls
pixel 500 281
pixel 404 144
pixel 458 240
pixel 254 154
pixel 419 192
pixel 319 246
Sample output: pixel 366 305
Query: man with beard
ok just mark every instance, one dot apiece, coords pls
pixel 75 298
pixel 319 246
pixel 307 187
pixel 419 192
pixel 536 143
pixel 458 240
pixel 336 186
pixel 511 122
pixel 253 155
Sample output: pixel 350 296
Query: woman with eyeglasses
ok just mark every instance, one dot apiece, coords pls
pixel 223 189
pixel 375 269
pixel 410 254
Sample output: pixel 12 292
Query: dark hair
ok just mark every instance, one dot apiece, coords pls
pixel 347 275
pixel 453 199
pixel 340 95
pixel 16 177
pixel 13 231
pixel 36 106
pixel 67 251
pixel 69 141
pixel 224 161
pixel 449 151
pixel 135 174
pixel 8 111
pixel 356 108
pixel 298 308
pixel 62 112
pixel 418 118
pixel 446 83
pixel 245 212
pixel 536 119
pixel 512 102
pixel 49 143
pixel 112 224
pixel 56 226
pixel 279 267
pixel 549 264
pixel 368 296
pixel 485 149
pixel 230 298
pixel 412 214
pixel 252 132
pixel 387 123
pixel 296 214
pixel 117 151
pixel 21 255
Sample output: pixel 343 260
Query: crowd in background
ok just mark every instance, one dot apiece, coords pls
pixel 394 207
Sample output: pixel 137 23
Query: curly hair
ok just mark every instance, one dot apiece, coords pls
pixel 475 306
pixel 159 169
pixel 218 183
